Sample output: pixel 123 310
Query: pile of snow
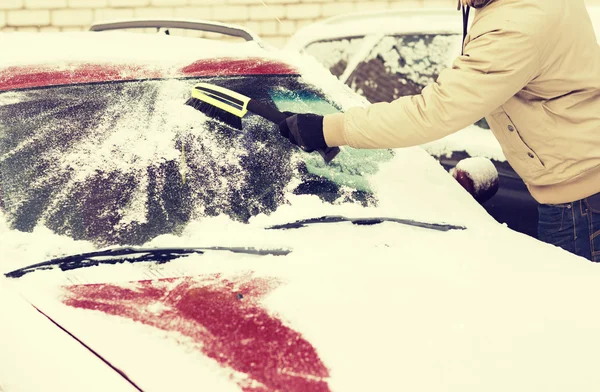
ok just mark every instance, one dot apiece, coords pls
pixel 475 141
pixel 481 170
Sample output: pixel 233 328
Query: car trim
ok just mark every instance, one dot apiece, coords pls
pixel 119 371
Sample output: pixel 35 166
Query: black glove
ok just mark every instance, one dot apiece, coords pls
pixel 304 130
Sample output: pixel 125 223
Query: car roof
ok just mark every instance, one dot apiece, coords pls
pixel 399 21
pixel 84 57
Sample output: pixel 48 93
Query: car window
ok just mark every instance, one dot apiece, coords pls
pixel 403 65
pixel 123 162
pixel 334 54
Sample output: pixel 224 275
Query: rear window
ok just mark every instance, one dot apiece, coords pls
pixel 123 162
pixel 334 54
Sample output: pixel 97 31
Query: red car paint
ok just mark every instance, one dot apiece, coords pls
pixel 22 77
pixel 225 318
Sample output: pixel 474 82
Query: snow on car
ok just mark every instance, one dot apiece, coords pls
pixel 180 254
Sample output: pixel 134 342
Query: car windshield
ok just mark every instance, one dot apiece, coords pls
pixel 124 162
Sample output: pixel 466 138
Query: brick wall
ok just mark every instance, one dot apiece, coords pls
pixel 275 21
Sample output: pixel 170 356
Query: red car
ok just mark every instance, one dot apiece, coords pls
pixel 164 250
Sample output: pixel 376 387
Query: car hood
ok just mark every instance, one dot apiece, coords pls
pixel 372 310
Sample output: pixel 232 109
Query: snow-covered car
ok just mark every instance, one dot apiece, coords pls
pixel 145 246
pixel 384 55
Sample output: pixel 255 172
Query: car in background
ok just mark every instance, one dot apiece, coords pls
pixel 146 246
pixel 384 55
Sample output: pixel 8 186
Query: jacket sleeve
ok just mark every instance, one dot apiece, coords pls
pixel 496 65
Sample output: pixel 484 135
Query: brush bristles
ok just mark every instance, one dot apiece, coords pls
pixel 216 113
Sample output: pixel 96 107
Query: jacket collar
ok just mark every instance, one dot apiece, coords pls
pixel 473 3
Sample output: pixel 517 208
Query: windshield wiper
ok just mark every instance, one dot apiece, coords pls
pixel 132 255
pixel 366 222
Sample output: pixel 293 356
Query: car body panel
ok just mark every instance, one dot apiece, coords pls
pixel 351 307
pixel 383 314
pixel 36 355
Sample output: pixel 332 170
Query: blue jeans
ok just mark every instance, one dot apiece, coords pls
pixel 574 226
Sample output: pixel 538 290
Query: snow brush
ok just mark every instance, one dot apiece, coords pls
pixel 229 107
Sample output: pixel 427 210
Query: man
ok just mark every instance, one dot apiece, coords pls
pixel 532 68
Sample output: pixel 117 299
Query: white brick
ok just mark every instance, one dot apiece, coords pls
pixel 128 3
pixel 28 18
pixel 252 25
pixel 260 12
pixel 206 2
pixel 9 29
pixel 68 29
pixel 2 19
pixel 283 1
pixel 303 11
pixel 154 12
pixel 49 29
pixel 406 4
pixel 28 29
pixel 11 4
pixel 372 6
pixel 287 27
pixel 194 12
pixel 88 3
pixel 439 4
pixel 304 22
pixel 104 14
pixel 268 27
pixel 231 13
pixel 171 3
pixel 332 9
pixel 45 4
pixel 75 17
pixel 249 2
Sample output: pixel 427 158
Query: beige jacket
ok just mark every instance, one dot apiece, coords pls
pixel 532 68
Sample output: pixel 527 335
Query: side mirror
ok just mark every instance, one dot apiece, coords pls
pixel 478 176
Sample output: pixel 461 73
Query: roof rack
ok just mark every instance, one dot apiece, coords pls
pixel 158 24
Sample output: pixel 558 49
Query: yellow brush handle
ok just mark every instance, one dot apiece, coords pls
pixel 222 98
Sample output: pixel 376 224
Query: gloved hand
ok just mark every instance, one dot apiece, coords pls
pixel 304 130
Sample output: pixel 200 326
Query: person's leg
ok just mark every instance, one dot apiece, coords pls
pixel 592 204
pixel 555 225
pixel 566 226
